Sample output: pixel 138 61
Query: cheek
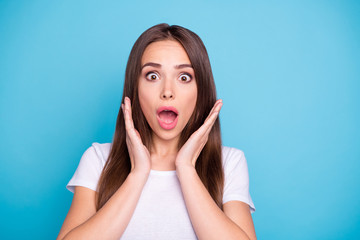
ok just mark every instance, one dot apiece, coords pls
pixel 190 103
pixel 145 100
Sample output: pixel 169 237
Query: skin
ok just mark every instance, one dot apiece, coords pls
pixel 167 79
pixel 209 222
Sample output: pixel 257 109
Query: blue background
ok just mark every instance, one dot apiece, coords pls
pixel 288 73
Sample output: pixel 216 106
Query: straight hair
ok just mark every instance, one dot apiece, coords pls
pixel 209 163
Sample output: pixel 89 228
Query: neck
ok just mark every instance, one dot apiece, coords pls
pixel 163 153
pixel 163 148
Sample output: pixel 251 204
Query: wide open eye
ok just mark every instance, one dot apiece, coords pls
pixel 185 77
pixel 151 76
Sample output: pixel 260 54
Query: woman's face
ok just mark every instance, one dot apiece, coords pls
pixel 167 88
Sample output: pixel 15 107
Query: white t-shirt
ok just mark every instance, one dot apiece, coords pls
pixel 161 211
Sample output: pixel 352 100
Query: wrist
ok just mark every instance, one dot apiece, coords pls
pixel 141 175
pixel 141 169
pixel 185 169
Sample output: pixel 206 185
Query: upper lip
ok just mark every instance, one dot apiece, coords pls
pixel 167 108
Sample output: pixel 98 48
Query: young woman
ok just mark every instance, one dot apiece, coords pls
pixel 166 174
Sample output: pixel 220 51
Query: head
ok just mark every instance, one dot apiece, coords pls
pixel 182 57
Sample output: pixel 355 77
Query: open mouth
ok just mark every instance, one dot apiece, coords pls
pixel 167 117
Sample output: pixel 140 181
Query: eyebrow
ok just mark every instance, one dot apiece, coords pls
pixel 157 65
pixel 183 66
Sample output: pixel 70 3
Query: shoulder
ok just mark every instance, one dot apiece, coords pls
pixel 96 155
pixel 90 166
pixel 232 156
pixel 231 151
pixel 236 176
pixel 99 151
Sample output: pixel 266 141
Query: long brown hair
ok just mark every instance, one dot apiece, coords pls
pixel 209 164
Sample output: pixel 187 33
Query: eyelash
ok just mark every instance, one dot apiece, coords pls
pixel 182 74
pixel 186 74
pixel 147 76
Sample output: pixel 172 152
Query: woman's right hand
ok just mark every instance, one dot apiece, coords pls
pixel 139 154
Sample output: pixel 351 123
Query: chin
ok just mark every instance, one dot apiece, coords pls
pixel 167 135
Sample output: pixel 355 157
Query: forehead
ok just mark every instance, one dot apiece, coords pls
pixel 166 51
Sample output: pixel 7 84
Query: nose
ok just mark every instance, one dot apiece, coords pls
pixel 167 92
pixel 167 95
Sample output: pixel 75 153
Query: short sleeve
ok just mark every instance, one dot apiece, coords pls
pixel 236 186
pixel 89 169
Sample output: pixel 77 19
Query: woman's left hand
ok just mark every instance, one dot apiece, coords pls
pixel 191 150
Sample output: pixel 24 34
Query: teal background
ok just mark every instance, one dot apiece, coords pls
pixel 287 71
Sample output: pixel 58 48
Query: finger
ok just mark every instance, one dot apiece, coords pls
pixel 209 122
pixel 130 149
pixel 123 109
pixel 129 124
pixel 211 111
pixel 128 116
pixel 214 115
pixel 133 134
pixel 214 111
pixel 214 107
pixel 127 127
pixel 128 108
